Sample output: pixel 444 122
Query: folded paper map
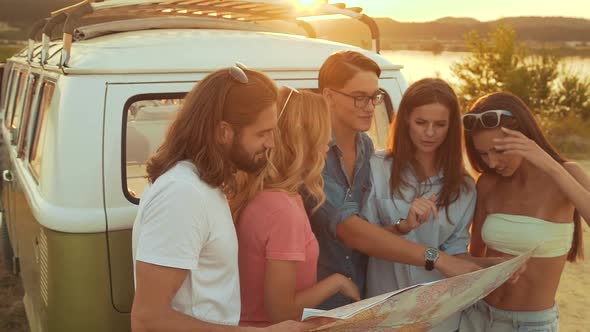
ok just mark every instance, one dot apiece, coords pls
pixel 422 306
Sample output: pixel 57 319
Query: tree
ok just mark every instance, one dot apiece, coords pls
pixel 560 99
pixel 436 47
pixel 572 97
pixel 500 63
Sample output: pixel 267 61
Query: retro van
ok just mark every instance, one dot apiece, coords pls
pixel 82 110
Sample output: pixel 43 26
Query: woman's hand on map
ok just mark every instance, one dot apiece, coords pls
pixel 516 275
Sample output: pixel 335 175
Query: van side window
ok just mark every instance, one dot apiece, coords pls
pixel 7 78
pixel 39 127
pixel 29 109
pixel 146 122
pixel 4 72
pixel 23 102
pixel 381 119
pixel 18 83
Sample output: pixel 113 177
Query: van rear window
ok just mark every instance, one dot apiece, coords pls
pixel 39 128
pixel 381 120
pixel 145 127
pixel 147 118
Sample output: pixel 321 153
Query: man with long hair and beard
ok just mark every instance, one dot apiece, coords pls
pixel 185 248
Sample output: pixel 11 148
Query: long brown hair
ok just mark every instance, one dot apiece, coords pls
pixel 192 135
pixel 297 161
pixel 449 157
pixel 522 120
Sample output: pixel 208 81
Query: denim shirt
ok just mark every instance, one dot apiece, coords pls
pixel 344 199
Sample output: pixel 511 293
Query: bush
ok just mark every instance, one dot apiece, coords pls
pixel 6 51
pixel 570 135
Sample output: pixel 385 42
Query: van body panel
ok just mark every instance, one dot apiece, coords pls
pixel 31 258
pixel 121 269
pixel 79 285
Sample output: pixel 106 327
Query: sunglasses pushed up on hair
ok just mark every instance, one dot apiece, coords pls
pixel 292 90
pixel 237 73
pixel 488 119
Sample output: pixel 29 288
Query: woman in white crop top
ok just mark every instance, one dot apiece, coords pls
pixel 528 196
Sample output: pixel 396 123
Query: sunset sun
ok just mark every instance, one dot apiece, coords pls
pixel 302 5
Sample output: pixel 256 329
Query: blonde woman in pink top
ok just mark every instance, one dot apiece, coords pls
pixel 278 251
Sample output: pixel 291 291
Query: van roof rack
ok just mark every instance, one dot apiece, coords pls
pixel 128 15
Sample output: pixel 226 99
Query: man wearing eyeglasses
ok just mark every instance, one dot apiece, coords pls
pixel 349 81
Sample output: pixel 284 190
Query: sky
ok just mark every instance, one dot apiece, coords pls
pixel 428 10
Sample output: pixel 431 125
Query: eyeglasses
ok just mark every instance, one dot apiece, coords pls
pixel 363 101
pixel 238 74
pixel 287 101
pixel 487 119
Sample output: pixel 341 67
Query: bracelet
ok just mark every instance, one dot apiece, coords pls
pixel 398 228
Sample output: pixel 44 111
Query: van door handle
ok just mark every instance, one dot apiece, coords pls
pixel 7 176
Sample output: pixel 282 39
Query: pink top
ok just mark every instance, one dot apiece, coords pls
pixel 275 226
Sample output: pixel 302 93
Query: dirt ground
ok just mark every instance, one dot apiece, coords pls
pixel 12 310
pixel 573 294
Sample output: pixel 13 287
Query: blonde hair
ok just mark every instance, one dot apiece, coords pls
pixel 298 159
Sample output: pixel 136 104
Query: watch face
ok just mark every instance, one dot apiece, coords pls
pixel 431 254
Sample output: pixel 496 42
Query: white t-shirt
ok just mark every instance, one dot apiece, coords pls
pixel 184 223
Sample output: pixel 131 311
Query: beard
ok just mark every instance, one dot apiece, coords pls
pixel 244 161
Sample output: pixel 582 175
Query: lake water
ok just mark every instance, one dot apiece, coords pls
pixel 420 64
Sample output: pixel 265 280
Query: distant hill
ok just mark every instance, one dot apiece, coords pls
pixel 23 13
pixel 540 29
pixel 6 27
pixel 457 20
pixel 535 21
pixel 538 33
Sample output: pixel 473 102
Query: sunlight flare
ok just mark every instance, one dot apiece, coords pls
pixel 308 5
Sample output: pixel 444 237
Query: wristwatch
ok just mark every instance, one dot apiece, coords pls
pixel 430 257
